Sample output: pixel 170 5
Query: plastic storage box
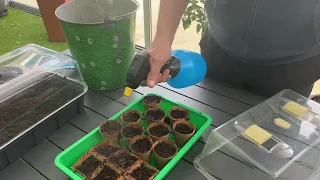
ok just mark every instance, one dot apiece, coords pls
pixel 278 136
pixel 40 90
pixel 68 157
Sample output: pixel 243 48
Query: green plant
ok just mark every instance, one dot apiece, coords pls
pixel 195 12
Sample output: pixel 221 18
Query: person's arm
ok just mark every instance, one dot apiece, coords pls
pixel 170 13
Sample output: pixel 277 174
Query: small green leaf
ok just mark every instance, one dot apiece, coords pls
pixel 198 28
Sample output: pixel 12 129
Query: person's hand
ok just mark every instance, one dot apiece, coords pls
pixel 160 52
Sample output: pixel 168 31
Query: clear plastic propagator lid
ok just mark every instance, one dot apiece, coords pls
pixel 35 82
pixel 280 136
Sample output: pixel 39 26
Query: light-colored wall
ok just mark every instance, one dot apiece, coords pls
pixel 6 2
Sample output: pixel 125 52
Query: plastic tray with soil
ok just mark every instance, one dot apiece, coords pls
pixel 23 110
pixel 127 158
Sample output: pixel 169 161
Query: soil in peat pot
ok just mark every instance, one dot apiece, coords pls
pixel 158 131
pixel 155 114
pixel 130 132
pixel 141 146
pixel 142 172
pixel 183 129
pixel 164 150
pixel 178 114
pixel 88 166
pixel 110 128
pixel 123 159
pixel 131 117
pixel 107 173
pixel 106 150
pixel 152 99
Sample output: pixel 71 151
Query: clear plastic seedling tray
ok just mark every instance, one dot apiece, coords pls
pixel 275 136
pixel 36 86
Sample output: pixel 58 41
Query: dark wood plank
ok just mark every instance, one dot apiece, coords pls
pixel 87 120
pixel 66 136
pixel 20 170
pixel 42 157
pixel 212 99
pixel 185 171
pixel 230 91
pixel 95 100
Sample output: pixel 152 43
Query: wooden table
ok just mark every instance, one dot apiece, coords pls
pixel 222 102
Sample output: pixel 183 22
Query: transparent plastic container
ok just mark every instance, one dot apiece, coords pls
pixel 276 136
pixel 35 83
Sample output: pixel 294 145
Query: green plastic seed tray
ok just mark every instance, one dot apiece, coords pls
pixel 68 157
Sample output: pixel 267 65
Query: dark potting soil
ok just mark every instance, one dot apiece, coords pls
pixel 142 172
pixel 107 173
pixel 110 128
pixel 183 129
pixel 164 150
pixel 152 99
pixel 158 131
pixel 131 117
pixel 131 132
pixel 106 151
pixel 124 160
pixel 31 105
pixel 154 115
pixel 141 146
pixel 316 99
pixel 177 114
pixel 88 165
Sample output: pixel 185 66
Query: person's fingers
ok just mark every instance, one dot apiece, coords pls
pixel 168 77
pixel 153 75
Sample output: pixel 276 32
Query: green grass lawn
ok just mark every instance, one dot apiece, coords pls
pixel 19 28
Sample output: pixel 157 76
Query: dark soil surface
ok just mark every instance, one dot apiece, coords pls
pixel 131 132
pixel 106 151
pixel 141 146
pixel 152 99
pixel 142 172
pixel 183 129
pixel 158 131
pixel 124 160
pixel 164 150
pixel 131 117
pixel 177 114
pixel 316 99
pixel 31 105
pixel 154 115
pixel 107 173
pixel 110 128
pixel 88 166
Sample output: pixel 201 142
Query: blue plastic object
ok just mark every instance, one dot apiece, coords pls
pixel 193 69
